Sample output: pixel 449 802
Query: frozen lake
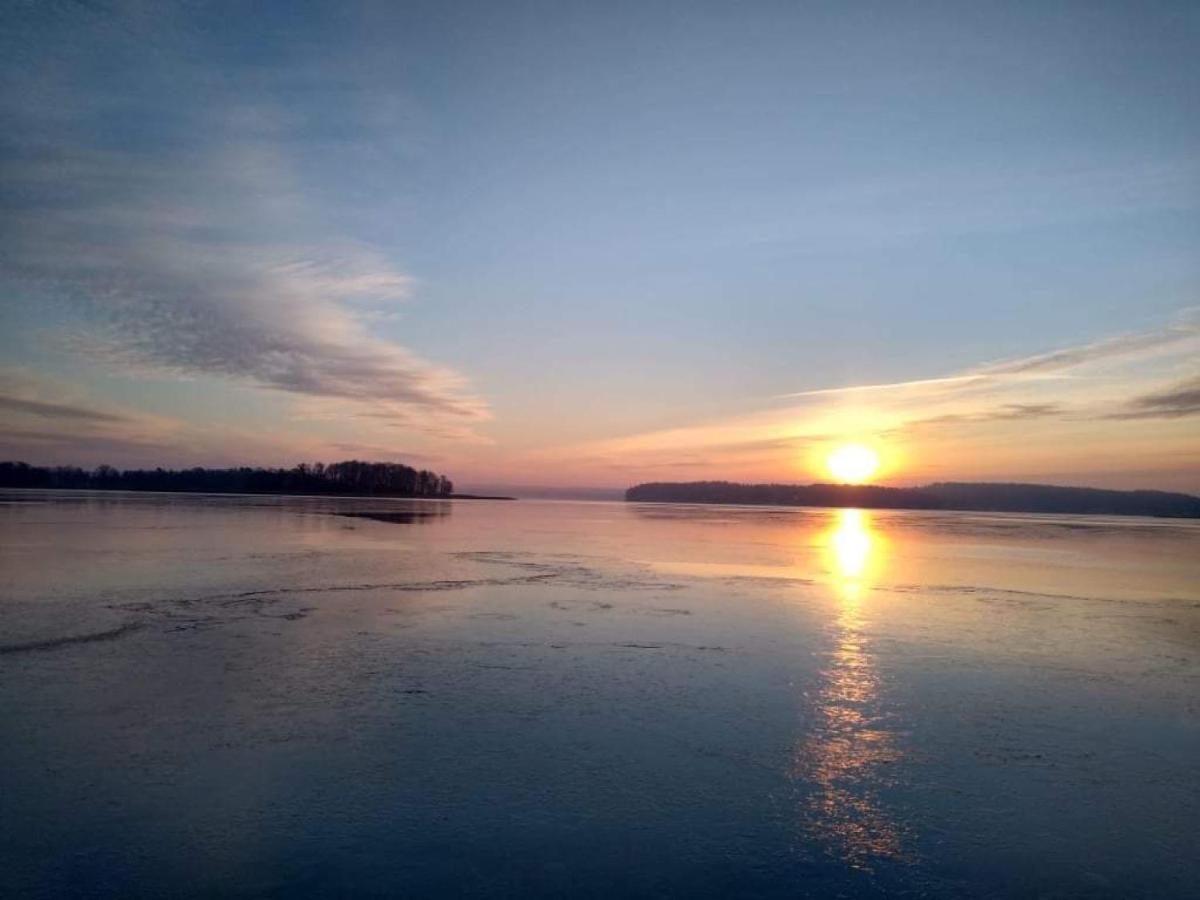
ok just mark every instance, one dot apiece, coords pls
pixel 265 696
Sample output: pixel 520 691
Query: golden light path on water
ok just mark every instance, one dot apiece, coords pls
pixel 849 744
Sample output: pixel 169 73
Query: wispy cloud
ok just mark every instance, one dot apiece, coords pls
pixel 1054 364
pixel 195 252
pixel 885 386
pixel 1121 347
pixel 1008 412
pixel 55 410
pixel 42 413
pixel 1175 402
pixel 233 312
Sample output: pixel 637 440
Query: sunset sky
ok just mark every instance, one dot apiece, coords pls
pixel 597 244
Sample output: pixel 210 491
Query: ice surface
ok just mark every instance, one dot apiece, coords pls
pixel 243 696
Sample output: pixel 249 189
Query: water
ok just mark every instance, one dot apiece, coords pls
pixel 293 697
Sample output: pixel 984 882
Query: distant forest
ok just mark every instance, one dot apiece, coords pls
pixel 350 477
pixel 1029 498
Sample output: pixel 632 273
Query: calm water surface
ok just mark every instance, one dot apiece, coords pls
pixel 237 696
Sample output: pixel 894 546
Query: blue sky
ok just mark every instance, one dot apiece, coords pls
pixel 511 238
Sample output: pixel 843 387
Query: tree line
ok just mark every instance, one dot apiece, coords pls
pixel 349 477
pixel 981 497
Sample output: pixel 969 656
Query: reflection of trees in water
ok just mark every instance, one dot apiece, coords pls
pixel 850 747
pixel 426 513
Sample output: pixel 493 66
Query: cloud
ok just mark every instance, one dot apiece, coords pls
pixel 192 249
pixel 248 315
pixel 66 448
pixel 885 386
pixel 1011 411
pixel 154 298
pixel 1175 402
pixel 49 421
pixel 1054 364
pixel 1116 348
pixel 56 410
pixel 43 415
pixel 1007 412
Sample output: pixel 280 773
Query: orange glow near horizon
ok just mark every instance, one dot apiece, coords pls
pixel 852 463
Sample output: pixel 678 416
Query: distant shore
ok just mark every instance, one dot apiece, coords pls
pixel 365 496
pixel 348 478
pixel 964 496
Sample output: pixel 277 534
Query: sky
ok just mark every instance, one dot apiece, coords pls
pixel 594 244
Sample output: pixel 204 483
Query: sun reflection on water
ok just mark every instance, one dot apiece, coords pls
pixel 849 747
pixel 851 542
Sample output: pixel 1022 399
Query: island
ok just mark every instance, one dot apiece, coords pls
pixel 978 497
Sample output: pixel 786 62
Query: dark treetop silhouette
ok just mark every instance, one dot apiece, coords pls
pixel 350 477
pixel 1034 498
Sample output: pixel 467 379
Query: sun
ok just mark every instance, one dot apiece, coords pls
pixel 852 463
